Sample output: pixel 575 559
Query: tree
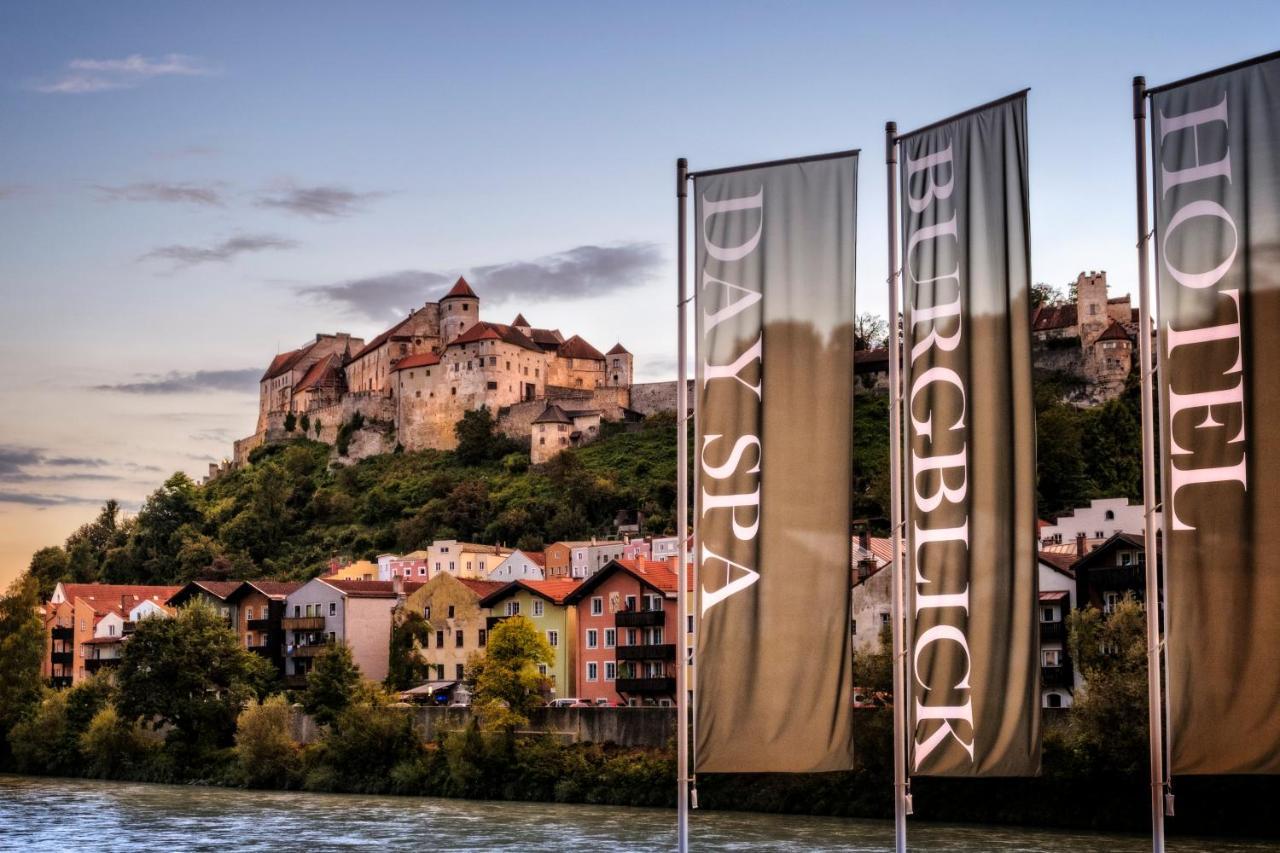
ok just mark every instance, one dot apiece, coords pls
pixel 508 685
pixel 189 672
pixel 1109 718
pixel 48 567
pixel 409 633
pixel 265 750
pixel 22 643
pixel 1044 295
pixel 290 422
pixel 870 331
pixel 478 439
pixel 166 511
pixel 332 684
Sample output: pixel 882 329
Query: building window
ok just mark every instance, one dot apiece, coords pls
pixel 513 608
pixel 1051 657
pixel 593 638
pixel 450 616
pixel 631 602
pixel 597 606
pixel 542 669
pixel 458 671
pixel 1110 600
pixel 537 607
pixel 553 638
pixel 333 608
pixel 457 639
pixel 592 671
pixel 610 637
pixel 1053 700
pixel 439 639
pixel 1046 614
pixel 484 637
pixel 610 670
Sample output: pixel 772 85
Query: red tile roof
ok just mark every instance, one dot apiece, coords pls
pixel 109 596
pixel 278 364
pixel 325 373
pixel 555 591
pixel 461 289
pixel 1060 563
pixel 547 339
pixel 1048 317
pixel 576 347
pixel 495 331
pixel 370 589
pixel 618 349
pixel 520 321
pixel 1114 332
pixel 479 587
pixel 380 339
pixel 277 590
pixel 422 359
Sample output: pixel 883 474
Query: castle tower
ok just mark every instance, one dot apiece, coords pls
pixel 617 368
pixel 521 324
pixel 1091 306
pixel 459 310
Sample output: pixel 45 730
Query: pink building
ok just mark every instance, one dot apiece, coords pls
pixel 627 633
pixel 637 549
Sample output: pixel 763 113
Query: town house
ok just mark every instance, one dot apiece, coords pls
pixel 459 625
pixel 259 608
pixel 72 617
pixel 543 602
pixel 327 610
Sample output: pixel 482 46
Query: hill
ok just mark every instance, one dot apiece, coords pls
pixel 288 512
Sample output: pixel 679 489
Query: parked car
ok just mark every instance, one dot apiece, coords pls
pixel 605 703
pixel 568 702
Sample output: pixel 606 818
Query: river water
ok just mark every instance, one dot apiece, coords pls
pixel 72 814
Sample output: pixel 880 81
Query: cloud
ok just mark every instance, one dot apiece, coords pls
pixel 185 256
pixel 321 202
pixel 579 272
pixel 85 76
pixel 243 381
pixel 382 298
pixel 43 501
pixel 207 194
pixel 32 464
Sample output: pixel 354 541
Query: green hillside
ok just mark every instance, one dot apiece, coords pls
pixel 288 513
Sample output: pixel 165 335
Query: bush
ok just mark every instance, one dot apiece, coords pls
pixel 366 743
pixel 114 749
pixel 39 743
pixel 266 754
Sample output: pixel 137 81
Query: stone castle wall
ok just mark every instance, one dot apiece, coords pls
pixel 650 398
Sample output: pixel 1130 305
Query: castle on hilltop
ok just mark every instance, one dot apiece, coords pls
pixel 1092 338
pixel 411 384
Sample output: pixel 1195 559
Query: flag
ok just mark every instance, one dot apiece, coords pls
pixel 970 456
pixel 1216 162
pixel 774 257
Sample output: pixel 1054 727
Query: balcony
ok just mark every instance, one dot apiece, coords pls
pixel 129 627
pixel 303 623
pixel 309 651
pixel 1118 577
pixel 95 664
pixel 640 618
pixel 61 634
pixel 1053 630
pixel 646 685
pixel 664 652
pixel 258 625
pixel 61 658
pixel 1057 676
pixel 60 681
pixel 264 651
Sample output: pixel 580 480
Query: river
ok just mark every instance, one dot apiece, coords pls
pixel 73 814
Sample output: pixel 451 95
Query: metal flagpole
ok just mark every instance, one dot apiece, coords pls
pixel 682 520
pixel 1155 695
pixel 895 497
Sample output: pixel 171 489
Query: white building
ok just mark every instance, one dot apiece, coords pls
pixel 519 566
pixel 1058 677
pixel 1099 521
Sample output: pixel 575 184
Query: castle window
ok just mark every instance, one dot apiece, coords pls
pixel 542 441
pixel 428 371
pixel 466 307
pixel 492 386
pixel 535 372
pixel 508 365
pixel 417 393
pixel 493 361
pixel 453 391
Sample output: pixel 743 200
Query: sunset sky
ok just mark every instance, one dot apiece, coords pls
pixel 188 188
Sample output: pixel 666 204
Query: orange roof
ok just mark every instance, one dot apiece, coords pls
pixel 112 596
pixel 380 339
pixel 1048 317
pixel 369 589
pixel 1059 562
pixel 483 331
pixel 520 321
pixel 278 364
pixel 325 373
pixel 555 591
pixel 618 349
pixel 1114 332
pixel 479 587
pixel 422 359
pixel 576 347
pixel 461 289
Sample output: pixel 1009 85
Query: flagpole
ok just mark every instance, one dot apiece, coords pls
pixel 895 513
pixel 1155 695
pixel 682 519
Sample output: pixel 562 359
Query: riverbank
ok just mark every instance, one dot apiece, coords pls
pixel 60 814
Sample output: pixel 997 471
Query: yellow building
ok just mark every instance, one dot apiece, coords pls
pixel 360 570
pixel 458 623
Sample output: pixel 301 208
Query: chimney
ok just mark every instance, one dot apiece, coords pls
pixel 1080 544
pixel 864 539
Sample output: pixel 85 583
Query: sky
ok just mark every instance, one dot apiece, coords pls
pixel 187 189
